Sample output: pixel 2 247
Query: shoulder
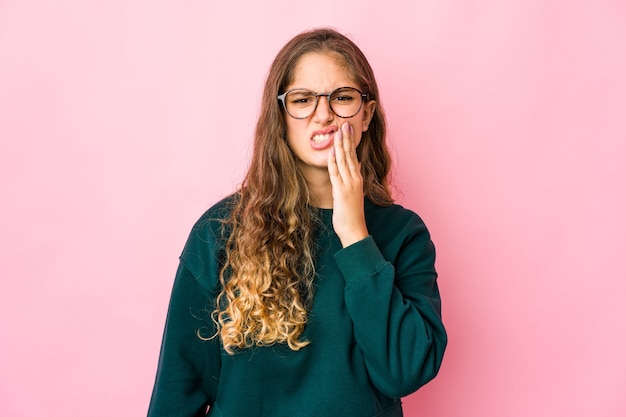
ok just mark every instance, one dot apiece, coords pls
pixel 212 219
pixel 396 229
pixel 392 217
pixel 204 250
pixel 211 224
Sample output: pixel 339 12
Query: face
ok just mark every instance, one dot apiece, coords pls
pixel 311 139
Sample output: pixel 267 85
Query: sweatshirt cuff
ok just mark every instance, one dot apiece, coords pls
pixel 360 260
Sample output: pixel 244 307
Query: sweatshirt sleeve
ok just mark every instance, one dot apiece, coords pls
pixel 395 308
pixel 189 366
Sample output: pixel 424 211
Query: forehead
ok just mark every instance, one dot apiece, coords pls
pixel 321 72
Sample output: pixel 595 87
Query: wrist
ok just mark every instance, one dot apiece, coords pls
pixel 352 238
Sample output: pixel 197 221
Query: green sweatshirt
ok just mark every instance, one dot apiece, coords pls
pixel 375 329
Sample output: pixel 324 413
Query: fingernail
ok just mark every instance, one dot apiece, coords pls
pixel 339 135
pixel 346 127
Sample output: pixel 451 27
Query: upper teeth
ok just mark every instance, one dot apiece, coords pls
pixel 321 138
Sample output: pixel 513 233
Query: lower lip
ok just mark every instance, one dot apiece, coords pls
pixel 322 145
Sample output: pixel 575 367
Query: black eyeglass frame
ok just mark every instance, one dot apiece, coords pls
pixel 364 97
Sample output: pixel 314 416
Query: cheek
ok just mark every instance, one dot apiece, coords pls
pixel 359 122
pixel 359 130
pixel 294 128
pixel 357 141
pixel 294 134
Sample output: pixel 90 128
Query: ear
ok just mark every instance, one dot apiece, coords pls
pixel 368 113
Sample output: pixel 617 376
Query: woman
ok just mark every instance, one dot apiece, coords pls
pixel 307 292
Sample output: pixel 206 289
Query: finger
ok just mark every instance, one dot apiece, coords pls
pixel 333 171
pixel 349 147
pixel 340 154
pixel 347 141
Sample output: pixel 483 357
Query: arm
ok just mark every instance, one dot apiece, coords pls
pixel 396 309
pixel 393 300
pixel 189 367
pixel 187 364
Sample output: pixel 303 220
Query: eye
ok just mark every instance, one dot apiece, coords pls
pixel 345 96
pixel 301 98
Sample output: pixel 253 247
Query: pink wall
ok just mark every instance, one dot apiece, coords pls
pixel 121 121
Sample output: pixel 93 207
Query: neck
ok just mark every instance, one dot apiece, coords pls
pixel 320 188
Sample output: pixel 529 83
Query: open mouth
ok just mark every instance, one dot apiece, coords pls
pixel 321 138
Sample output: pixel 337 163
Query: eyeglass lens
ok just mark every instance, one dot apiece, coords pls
pixel 345 102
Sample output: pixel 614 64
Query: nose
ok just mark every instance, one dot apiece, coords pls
pixel 323 113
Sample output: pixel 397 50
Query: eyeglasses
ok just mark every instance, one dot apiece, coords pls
pixel 345 102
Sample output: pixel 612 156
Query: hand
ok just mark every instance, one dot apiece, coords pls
pixel 347 184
